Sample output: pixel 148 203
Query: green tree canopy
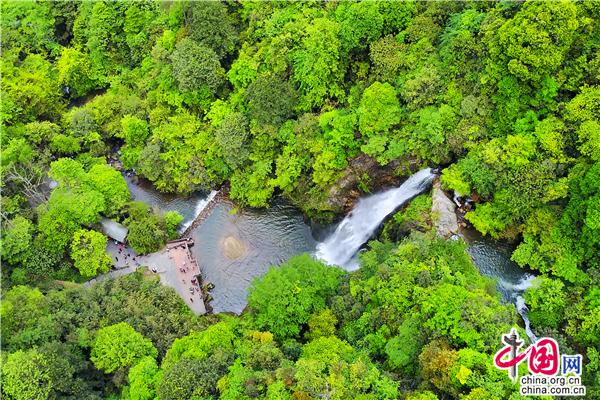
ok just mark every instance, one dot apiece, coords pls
pixel 88 251
pixel 196 67
pixel 283 300
pixel 120 346
pixel 210 24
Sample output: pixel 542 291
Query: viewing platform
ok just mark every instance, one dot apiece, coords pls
pixel 175 265
pixel 179 269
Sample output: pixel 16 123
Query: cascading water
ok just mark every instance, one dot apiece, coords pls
pixel 493 260
pixel 200 205
pixel 522 310
pixel 340 248
pixel 515 294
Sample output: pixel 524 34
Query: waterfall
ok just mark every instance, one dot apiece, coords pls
pixel 517 290
pixel 522 310
pixel 360 224
pixel 524 283
pixel 200 205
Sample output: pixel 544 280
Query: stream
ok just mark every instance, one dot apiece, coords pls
pixel 235 246
pixel 492 257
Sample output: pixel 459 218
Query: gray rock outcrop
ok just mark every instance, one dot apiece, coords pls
pixel 443 212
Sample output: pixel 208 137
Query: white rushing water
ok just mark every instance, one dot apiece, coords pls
pixel 200 205
pixel 516 291
pixel 522 310
pixel 369 212
pixel 524 283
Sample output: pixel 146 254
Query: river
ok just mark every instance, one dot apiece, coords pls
pixel 234 246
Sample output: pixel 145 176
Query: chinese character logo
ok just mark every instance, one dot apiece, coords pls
pixel 571 364
pixel 543 356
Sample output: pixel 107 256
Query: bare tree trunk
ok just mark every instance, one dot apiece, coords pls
pixel 30 181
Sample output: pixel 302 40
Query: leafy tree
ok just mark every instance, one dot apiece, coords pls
pixel 26 375
pixel 139 27
pixel 143 379
pixel 426 395
pixel 317 65
pixel 210 25
pixel 447 312
pixel 291 292
pixel 30 89
pixel 378 112
pixel 361 24
pixel 416 216
pixel 321 324
pixel 396 15
pixel 88 251
pixel 99 29
pixel 583 320
pixel 81 123
pixel 201 345
pixel 134 131
pixel 252 185
pixel 192 378
pixel 404 348
pixel 42 263
pixel 65 145
pixel 74 72
pixel 430 131
pixel 271 100
pixel 120 346
pixel 26 320
pixel 583 112
pixel 546 302
pixel 550 26
pixel 385 55
pixel 28 27
pixel 16 239
pixel 147 230
pixel 423 87
pixel 172 221
pixel 111 184
pixel 196 66
pixel 375 99
pixel 324 370
pixel 232 135
pixel 437 360
pixel 66 212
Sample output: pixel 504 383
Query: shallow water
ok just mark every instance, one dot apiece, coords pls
pixel 492 257
pixel 266 236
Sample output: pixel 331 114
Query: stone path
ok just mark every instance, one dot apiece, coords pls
pixel 122 256
pixel 174 264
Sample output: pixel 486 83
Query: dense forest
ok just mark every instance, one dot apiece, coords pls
pixel 293 99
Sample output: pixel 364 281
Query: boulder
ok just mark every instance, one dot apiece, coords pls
pixel 233 248
pixel 443 211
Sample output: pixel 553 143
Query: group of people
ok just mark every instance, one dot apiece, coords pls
pixel 194 281
pixel 126 255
